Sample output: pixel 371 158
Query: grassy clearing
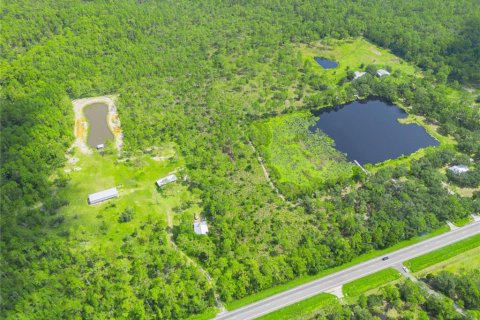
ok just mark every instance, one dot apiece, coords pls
pixel 98 226
pixel 302 309
pixel 465 192
pixel 355 54
pixel 301 280
pixel 372 281
pixel 468 260
pixel 442 254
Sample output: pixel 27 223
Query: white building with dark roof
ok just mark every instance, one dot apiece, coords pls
pixel 382 72
pixel 200 227
pixel 166 180
pixel 459 169
pixel 102 196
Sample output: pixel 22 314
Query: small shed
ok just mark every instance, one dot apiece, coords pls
pixel 200 227
pixel 102 196
pixel 358 74
pixel 382 72
pixel 459 169
pixel 166 180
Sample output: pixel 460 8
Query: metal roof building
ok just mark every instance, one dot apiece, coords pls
pixel 200 227
pixel 358 74
pixel 166 180
pixel 382 72
pixel 102 196
pixel 459 169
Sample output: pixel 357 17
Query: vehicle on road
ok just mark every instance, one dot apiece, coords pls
pixel 405 269
pixel 385 258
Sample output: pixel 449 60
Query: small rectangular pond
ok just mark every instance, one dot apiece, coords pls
pixel 368 131
pixel 325 63
pixel 98 132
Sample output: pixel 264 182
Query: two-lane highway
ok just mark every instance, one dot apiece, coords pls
pixel 334 280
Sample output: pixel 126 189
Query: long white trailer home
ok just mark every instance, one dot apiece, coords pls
pixel 166 180
pixel 102 196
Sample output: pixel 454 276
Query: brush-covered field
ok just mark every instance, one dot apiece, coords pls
pixel 299 161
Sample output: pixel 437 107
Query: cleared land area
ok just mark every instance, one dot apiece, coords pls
pixel 138 195
pixel 354 53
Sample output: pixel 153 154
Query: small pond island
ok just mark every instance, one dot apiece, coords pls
pixel 369 132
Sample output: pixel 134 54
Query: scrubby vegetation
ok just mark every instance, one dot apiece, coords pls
pixel 199 74
pixel 298 160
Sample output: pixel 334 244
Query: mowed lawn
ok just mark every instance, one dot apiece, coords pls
pixel 465 261
pixel 372 281
pixel 98 225
pixel 443 254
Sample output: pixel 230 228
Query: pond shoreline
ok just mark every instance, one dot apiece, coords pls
pixel 367 132
pixel 80 129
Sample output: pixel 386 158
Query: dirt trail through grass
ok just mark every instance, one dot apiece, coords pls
pixel 265 172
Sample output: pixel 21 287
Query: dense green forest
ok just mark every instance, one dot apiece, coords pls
pixel 198 73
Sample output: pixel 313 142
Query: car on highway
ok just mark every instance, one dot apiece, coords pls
pixel 385 258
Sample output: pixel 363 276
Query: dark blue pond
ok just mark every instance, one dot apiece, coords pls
pixel 325 63
pixel 368 131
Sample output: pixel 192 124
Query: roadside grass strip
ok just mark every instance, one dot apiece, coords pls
pixel 307 278
pixel 372 281
pixel 442 254
pixel 304 308
pixel 467 260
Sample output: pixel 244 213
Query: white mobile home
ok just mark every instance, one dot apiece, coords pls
pixel 166 180
pixel 102 196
